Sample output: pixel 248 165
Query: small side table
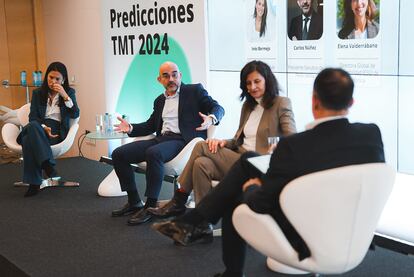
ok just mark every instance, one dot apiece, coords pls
pixel 110 186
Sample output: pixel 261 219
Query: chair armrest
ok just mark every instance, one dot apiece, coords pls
pixel 23 114
pixel 10 132
pixel 131 139
pixel 210 131
pixel 62 147
pixel 143 137
pixel 176 165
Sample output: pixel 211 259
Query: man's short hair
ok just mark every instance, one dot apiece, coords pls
pixel 334 87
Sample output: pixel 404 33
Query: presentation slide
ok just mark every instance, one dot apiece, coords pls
pixel 371 39
pixel 303 36
pixel 406 38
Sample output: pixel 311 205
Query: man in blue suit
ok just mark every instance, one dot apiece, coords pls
pixel 180 114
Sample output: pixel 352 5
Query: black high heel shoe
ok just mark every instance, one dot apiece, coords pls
pixel 32 190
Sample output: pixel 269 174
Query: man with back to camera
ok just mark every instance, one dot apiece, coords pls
pixel 308 25
pixel 180 114
pixel 329 142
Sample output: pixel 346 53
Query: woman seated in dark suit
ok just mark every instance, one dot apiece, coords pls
pixel 264 114
pixel 52 105
pixel 359 20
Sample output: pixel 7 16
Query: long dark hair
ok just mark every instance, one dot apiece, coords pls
pixel 59 67
pixel 348 24
pixel 263 21
pixel 271 84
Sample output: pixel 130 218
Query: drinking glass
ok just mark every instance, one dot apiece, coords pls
pixel 272 142
pixel 99 123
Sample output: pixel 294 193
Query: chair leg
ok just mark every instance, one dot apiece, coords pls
pixel 282 268
pixel 176 184
pixel 58 182
pixel 51 182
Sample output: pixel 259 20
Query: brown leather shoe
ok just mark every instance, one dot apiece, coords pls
pixel 140 217
pixel 171 208
pixel 184 233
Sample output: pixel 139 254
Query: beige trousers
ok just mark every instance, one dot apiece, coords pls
pixel 203 167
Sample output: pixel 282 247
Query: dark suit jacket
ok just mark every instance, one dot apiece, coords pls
pixel 330 144
pixel 315 27
pixel 192 100
pixel 38 109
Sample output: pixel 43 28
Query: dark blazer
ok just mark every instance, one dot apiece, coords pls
pixel 315 27
pixel 193 99
pixel 38 109
pixel 330 144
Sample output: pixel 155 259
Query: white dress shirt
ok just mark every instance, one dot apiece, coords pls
pixel 53 109
pixel 170 113
pixel 303 22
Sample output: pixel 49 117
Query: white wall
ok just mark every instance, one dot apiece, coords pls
pixel 73 35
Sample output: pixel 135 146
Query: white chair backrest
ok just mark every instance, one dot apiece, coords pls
pixel 23 114
pixel 336 211
pixel 64 146
pixel 73 121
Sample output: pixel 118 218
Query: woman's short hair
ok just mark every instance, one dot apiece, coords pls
pixel 59 67
pixel 263 22
pixel 349 23
pixel 271 84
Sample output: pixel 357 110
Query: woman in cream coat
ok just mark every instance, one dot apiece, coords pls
pixel 264 114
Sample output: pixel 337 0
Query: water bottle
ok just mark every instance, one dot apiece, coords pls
pixel 34 78
pixel 23 79
pixel 39 78
pixel 110 126
pixel 105 123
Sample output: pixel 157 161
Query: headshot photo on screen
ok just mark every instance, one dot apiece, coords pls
pixel 261 19
pixel 305 19
pixel 358 19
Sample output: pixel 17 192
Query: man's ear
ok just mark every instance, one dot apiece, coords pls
pixel 351 103
pixel 315 101
pixel 159 79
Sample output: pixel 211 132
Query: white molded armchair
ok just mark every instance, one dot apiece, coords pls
pixel 110 185
pixel 10 132
pixel 335 211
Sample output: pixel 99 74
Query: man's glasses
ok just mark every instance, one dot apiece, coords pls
pixel 167 76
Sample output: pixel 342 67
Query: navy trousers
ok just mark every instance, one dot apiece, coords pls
pixel 155 152
pixel 36 149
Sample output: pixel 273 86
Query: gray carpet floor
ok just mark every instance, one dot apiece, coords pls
pixel 69 232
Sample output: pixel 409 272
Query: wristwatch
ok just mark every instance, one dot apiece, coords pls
pixel 66 98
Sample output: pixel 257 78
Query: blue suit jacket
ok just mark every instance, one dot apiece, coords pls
pixel 38 109
pixel 193 99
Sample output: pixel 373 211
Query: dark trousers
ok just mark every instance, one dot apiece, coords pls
pixel 155 152
pixel 36 149
pixel 221 202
